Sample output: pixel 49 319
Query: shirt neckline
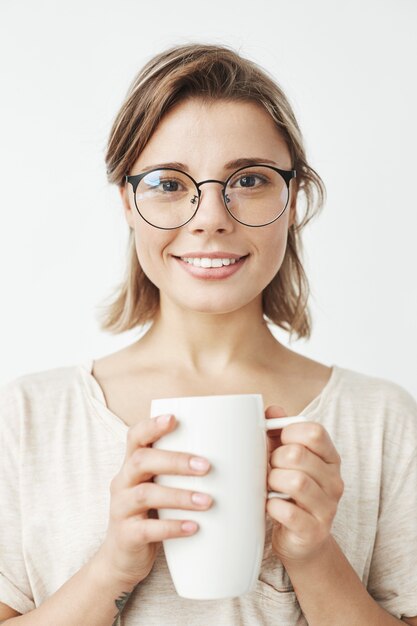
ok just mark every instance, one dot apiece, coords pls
pixel 97 398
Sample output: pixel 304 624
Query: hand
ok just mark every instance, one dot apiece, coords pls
pixel 304 464
pixel 132 539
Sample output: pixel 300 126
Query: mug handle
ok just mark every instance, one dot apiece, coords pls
pixel 281 422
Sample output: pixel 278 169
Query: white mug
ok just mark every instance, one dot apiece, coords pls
pixel 223 558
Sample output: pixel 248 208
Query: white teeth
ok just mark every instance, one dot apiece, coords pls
pixel 207 263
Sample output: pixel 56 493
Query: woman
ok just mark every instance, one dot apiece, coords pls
pixel 211 168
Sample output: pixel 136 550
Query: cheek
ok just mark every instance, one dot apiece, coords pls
pixel 149 250
pixel 274 250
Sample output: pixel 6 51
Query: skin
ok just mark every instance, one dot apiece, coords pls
pixel 179 137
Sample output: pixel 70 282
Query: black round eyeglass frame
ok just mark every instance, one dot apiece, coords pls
pixel 287 175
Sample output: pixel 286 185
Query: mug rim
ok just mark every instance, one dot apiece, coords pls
pixel 214 395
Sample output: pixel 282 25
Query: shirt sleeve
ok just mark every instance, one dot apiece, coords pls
pixel 15 589
pixel 393 572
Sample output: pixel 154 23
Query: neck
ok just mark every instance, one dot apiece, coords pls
pixel 205 343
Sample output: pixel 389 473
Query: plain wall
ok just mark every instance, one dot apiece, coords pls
pixel 349 71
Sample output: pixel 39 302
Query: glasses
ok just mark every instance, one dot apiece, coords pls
pixel 254 196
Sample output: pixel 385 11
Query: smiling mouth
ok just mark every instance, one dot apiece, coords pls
pixel 210 263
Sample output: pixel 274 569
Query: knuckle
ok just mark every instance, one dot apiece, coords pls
pixel 140 531
pixel 172 458
pixel 141 492
pixel 294 453
pixel 291 515
pixel 300 482
pixel 314 432
pixel 180 462
pixel 340 488
pixel 167 528
pixel 144 532
pixel 139 456
pixel 140 534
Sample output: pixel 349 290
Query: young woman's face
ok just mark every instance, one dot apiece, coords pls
pixel 204 138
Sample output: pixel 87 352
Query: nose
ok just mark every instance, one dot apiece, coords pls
pixel 212 215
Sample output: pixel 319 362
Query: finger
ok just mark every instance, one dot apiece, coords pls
pixel 305 492
pixel 314 437
pixel 274 435
pixel 145 496
pixel 144 531
pixel 295 456
pixel 148 462
pixel 274 410
pixel 147 431
pixel 294 518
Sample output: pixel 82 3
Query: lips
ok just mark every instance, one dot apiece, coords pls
pixel 212 273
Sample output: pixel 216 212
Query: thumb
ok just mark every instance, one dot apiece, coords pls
pixel 274 435
pixel 274 410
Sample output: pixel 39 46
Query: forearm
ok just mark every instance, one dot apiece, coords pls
pixel 88 598
pixel 330 592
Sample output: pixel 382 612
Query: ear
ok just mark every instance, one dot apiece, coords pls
pixel 127 205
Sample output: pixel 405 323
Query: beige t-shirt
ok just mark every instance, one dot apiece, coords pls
pixel 61 446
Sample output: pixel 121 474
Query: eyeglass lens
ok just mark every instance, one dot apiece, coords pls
pixel 254 196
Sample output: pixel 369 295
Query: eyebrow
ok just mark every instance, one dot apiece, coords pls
pixel 230 165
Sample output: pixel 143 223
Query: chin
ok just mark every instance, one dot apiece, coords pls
pixel 211 309
pixel 214 306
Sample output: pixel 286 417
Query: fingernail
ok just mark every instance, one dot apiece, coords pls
pixel 162 420
pixel 200 498
pixel 189 527
pixel 199 464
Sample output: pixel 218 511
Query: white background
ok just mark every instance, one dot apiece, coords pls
pixel 349 69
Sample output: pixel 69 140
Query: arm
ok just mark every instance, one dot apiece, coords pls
pixel 91 597
pixel 336 587
pixel 98 592
pixel 305 464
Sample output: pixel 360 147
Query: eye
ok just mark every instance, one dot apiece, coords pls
pixel 161 182
pixel 169 185
pixel 248 180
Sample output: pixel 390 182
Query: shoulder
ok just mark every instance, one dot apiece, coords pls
pixel 38 394
pixel 381 412
pixel 359 389
pixel 45 382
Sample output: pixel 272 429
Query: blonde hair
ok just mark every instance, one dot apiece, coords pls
pixel 216 73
